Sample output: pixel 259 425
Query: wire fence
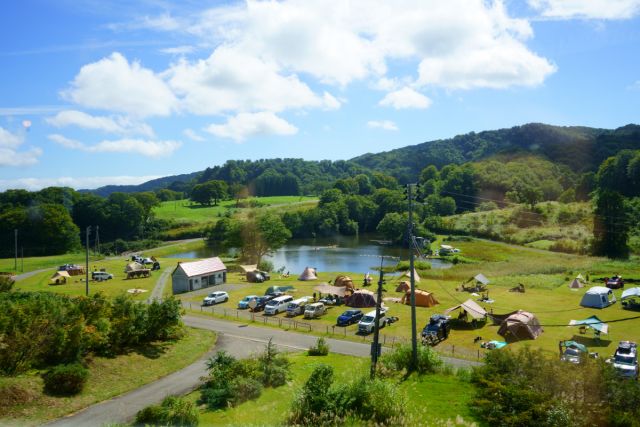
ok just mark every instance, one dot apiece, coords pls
pixel 334 331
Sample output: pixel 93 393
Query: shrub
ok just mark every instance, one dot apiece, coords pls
pixel 486 206
pixel 265 265
pixel 320 349
pixel 274 366
pixel 65 380
pixel 6 283
pixel 243 389
pixel 173 411
pixel 400 359
pixel 417 264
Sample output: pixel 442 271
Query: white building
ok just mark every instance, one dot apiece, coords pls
pixel 189 276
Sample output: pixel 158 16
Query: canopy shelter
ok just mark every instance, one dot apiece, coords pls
pixel 249 267
pixel 471 307
pixel 309 273
pixel 133 266
pixel 521 325
pixel 592 322
pixel 423 298
pixel 598 297
pixel 480 283
pixel 408 274
pixel 361 298
pixel 325 288
pixel 576 284
pixel 59 277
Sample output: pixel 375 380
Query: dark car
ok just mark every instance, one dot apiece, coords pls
pixel 614 282
pixel 349 317
pixel 261 302
pixel 437 329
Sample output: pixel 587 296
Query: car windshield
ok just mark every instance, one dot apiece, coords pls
pixel 272 302
pixel 212 295
pixel 572 352
pixel 367 319
pixel 350 313
pixel 625 359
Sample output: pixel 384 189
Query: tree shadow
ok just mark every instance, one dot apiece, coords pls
pixel 151 350
pixel 591 341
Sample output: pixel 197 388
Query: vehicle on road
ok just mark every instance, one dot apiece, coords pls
pixel 625 360
pixel 277 305
pixel 315 310
pixel 368 321
pixel 101 275
pixel 437 329
pixel 297 306
pixel 349 317
pixel 244 302
pixel 215 298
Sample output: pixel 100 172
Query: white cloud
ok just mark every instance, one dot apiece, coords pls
pixel 9 154
pixel 246 125
pixel 382 124
pixel 117 124
pixel 405 98
pixel 635 85
pixel 193 135
pixel 35 184
pixel 179 50
pixel 114 84
pixel 29 111
pixel 126 145
pixel 587 9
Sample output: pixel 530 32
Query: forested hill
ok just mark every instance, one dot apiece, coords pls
pixel 580 148
pixel 154 184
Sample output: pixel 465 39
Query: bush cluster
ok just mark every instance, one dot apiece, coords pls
pixel 41 329
pixel 417 264
pixel 6 283
pixel 173 411
pixel 232 382
pixel 320 349
pixel 399 360
pixel 65 380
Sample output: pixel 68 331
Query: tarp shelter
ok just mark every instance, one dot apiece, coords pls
pixel 521 325
pixel 576 284
pixel 573 344
pixel 308 274
pixel 598 297
pixel 481 279
pixel 59 277
pixel 361 298
pixel 408 274
pixel 325 288
pixel 272 289
pixel 471 307
pixel 403 286
pixel 423 298
pixel 248 268
pixel 630 293
pixel 592 322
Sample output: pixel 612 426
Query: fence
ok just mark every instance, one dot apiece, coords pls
pixel 336 331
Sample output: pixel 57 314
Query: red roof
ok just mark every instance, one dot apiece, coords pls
pixel 198 268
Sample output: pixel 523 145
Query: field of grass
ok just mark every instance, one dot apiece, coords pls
pixel 429 399
pixel 109 377
pixel 38 263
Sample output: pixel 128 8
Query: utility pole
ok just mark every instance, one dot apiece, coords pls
pixel 96 249
pixel 87 261
pixel 375 346
pixel 22 253
pixel 15 264
pixel 414 334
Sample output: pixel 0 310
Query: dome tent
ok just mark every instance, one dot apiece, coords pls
pixel 520 325
pixel 361 298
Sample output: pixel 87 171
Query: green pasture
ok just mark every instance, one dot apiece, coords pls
pixel 23 402
pixel 38 263
pixel 429 399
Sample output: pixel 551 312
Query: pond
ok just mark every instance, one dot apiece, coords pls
pixel 357 254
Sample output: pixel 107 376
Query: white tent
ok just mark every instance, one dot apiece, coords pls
pixel 576 284
pixel 308 274
pixel 598 297
pixel 481 278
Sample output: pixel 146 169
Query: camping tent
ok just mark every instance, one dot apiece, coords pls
pixel 423 298
pixel 308 274
pixel 471 307
pixel 59 277
pixel 403 286
pixel 133 266
pixel 598 297
pixel 408 274
pixel 521 325
pixel 325 288
pixel 592 322
pixel 630 293
pixel 579 277
pixel 576 284
pixel 344 281
pixel 361 298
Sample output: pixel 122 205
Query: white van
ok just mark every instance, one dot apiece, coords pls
pixel 314 310
pixel 296 307
pixel 101 275
pixel 366 324
pixel 278 305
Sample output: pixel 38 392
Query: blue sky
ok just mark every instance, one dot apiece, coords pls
pixel 110 92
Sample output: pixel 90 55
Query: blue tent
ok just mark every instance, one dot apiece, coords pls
pixel 592 322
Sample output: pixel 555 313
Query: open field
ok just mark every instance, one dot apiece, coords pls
pixel 38 263
pixel 446 396
pixel 109 377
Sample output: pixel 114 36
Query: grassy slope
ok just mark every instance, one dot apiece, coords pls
pixel 428 398
pixel 37 263
pixel 109 377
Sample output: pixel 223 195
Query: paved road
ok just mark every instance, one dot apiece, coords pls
pixel 23 276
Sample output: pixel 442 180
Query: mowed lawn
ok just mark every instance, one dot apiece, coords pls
pixel 429 399
pixel 38 263
pixel 22 401
pixel 546 276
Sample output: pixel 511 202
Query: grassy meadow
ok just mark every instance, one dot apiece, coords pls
pixel 38 263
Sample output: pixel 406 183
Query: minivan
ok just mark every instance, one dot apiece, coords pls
pixel 366 325
pixel 314 310
pixel 278 305
pixel 101 275
pixel 296 307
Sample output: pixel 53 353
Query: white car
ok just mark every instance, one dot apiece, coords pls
pixel 215 298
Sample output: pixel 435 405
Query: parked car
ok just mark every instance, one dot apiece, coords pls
pixel 625 360
pixel 278 304
pixel 215 298
pixel 437 329
pixel 332 300
pixel 349 317
pixel 368 321
pixel 101 275
pixel 260 303
pixel 244 302
pixel 297 306
pixel 572 355
pixel 614 282
pixel 315 310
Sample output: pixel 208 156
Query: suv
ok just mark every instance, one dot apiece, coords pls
pixel 349 317
pixel 437 329
pixel 367 323
pixel 625 360
pixel 278 304
pixel 314 310
pixel 101 275
pixel 215 297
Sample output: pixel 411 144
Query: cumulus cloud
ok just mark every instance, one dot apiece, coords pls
pixel 35 184
pixel 117 124
pixel 405 98
pixel 9 150
pixel 382 124
pixel 246 125
pixel 125 145
pixel 587 9
pixel 114 84
pixel 193 135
